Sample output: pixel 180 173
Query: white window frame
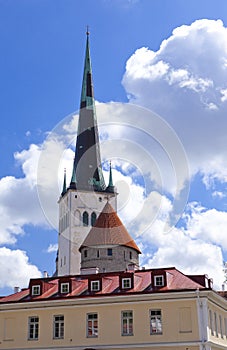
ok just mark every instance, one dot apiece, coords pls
pixel 157 279
pixel 36 290
pixel 58 326
pixel 126 283
pixel 95 286
pixel 33 328
pixel 127 323
pixel 155 321
pixel 92 325
pixel 65 287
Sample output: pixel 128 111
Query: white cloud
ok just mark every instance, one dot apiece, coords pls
pixel 52 248
pixel 190 93
pixel 15 269
pixel 207 224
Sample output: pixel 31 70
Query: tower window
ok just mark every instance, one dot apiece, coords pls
pixel 93 218
pixel 85 219
pixel 130 255
pixel 109 251
pixel 85 253
pixel 100 199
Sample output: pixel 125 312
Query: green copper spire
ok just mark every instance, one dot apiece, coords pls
pixel 110 187
pixel 87 169
pixel 73 178
pixel 64 189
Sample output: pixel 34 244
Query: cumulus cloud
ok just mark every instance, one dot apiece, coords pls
pixel 52 248
pixel 15 269
pixel 185 82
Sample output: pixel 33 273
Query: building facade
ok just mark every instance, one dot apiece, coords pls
pixel 160 309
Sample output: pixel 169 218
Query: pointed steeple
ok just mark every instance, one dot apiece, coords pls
pixel 64 189
pixel 73 178
pixel 110 188
pixel 87 167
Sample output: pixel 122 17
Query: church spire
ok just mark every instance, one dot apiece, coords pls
pixel 64 189
pixel 110 188
pixel 87 167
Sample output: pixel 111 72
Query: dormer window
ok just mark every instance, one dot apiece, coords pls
pixel 36 290
pixel 159 281
pixel 64 288
pixel 95 286
pixel 126 283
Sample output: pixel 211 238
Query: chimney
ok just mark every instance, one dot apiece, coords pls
pixel 45 274
pixel 16 289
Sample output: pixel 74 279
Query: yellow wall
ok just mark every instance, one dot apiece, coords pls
pixel 179 318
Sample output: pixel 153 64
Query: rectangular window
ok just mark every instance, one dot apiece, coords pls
pixel 58 327
pixel 64 287
pixel 92 325
pixel 155 322
pixel 109 251
pixel 127 322
pixel 126 283
pixel 159 281
pixel 36 290
pixel 33 328
pixel 95 286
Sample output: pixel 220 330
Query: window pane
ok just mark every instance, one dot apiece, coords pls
pixel 85 219
pixel 33 331
pixel 155 322
pixel 92 325
pixel 127 322
pixel 59 326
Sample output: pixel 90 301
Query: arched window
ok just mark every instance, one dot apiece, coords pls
pixel 85 219
pixel 93 218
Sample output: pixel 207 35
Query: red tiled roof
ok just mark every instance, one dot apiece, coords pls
pixel 143 283
pixel 109 230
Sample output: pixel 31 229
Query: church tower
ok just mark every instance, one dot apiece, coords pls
pixel 82 202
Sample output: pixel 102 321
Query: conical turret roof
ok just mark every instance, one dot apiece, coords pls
pixel 109 230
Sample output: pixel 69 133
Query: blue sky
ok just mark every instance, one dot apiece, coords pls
pixel 41 65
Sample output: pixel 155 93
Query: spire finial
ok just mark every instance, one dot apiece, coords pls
pixel 87 32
